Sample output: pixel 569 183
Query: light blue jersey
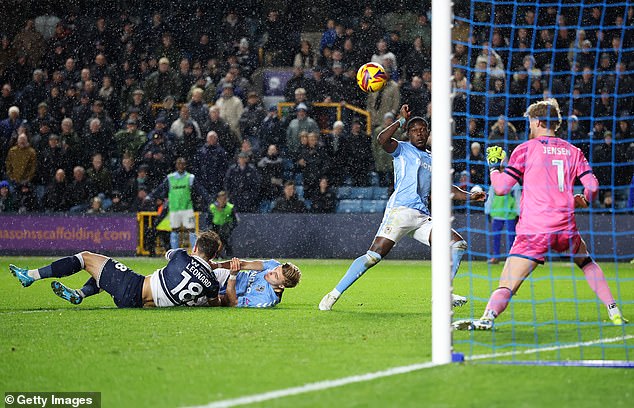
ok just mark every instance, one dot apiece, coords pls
pixel 412 178
pixel 253 290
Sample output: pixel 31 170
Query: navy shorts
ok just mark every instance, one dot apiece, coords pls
pixel 122 283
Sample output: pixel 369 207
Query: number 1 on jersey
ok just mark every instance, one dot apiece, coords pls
pixel 560 173
pixel 186 278
pixel 193 290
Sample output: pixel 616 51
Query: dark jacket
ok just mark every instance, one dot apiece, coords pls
pixel 292 205
pixel 272 170
pixel 325 202
pixel 210 164
pixel 243 187
pixel 251 120
pixel 56 197
pixel 7 204
pixel 80 192
pixel 49 160
pixel 159 85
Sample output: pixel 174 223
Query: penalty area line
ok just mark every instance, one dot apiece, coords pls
pixel 316 386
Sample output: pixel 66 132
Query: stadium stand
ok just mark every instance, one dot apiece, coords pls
pixel 142 86
pixel 347 206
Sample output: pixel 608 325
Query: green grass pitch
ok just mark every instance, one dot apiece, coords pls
pixel 184 356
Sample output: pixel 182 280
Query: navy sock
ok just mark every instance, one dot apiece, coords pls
pixel 90 288
pixel 60 268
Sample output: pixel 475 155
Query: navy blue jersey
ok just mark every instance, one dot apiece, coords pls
pixel 183 280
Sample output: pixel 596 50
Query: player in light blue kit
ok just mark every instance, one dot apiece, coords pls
pixel 407 211
pixel 254 283
pixel 186 280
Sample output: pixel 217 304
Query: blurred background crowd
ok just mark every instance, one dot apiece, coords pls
pixel 99 99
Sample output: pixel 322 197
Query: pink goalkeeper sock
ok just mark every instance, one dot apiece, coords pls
pixel 596 280
pixel 499 300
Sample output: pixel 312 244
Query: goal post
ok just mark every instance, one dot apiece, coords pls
pixel 441 180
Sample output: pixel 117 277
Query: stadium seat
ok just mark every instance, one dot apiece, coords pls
pixel 299 179
pixel 373 206
pixel 379 193
pixel 266 206
pixel 300 191
pixel 361 193
pixel 344 193
pixel 349 207
pixel 374 178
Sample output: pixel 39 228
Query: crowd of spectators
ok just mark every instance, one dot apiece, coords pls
pixel 94 111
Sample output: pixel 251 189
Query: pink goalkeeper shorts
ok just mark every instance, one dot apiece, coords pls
pixel 535 246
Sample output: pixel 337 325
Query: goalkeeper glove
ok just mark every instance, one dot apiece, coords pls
pixel 495 156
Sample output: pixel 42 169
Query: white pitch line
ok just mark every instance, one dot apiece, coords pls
pixel 316 386
pixel 323 385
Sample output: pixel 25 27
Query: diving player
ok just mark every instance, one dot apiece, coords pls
pixel 408 211
pixel 185 280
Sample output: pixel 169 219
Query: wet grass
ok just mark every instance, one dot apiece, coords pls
pixel 184 356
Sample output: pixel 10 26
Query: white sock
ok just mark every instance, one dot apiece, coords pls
pixel 489 315
pixel 335 293
pixel 613 310
pixel 81 259
pixel 34 273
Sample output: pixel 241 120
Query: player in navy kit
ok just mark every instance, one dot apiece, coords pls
pixel 185 280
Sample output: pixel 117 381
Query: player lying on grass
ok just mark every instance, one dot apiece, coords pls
pixel 547 166
pixel 183 281
pixel 254 283
pixel 407 211
pixel 261 285
pixel 257 284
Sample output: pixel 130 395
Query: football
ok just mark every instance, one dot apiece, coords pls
pixel 371 77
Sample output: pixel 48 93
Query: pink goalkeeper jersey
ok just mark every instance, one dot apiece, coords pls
pixel 547 168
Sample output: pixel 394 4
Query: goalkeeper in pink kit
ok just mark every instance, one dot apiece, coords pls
pixel 547 166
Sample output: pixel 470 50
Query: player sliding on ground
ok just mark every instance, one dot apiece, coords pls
pixel 547 167
pixel 185 280
pixel 407 211
pixel 182 281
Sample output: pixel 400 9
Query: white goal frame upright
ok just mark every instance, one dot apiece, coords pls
pixel 441 24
